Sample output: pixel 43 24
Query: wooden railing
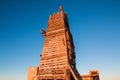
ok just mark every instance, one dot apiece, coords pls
pixel 74 73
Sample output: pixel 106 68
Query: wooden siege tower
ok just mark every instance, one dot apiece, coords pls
pixel 58 55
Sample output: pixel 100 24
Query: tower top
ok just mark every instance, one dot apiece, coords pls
pixel 61 8
pixel 57 20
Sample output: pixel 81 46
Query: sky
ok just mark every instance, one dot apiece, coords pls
pixel 94 24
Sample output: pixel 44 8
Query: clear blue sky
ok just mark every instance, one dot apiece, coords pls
pixel 95 25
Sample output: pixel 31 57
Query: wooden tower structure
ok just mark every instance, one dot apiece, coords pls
pixel 58 55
